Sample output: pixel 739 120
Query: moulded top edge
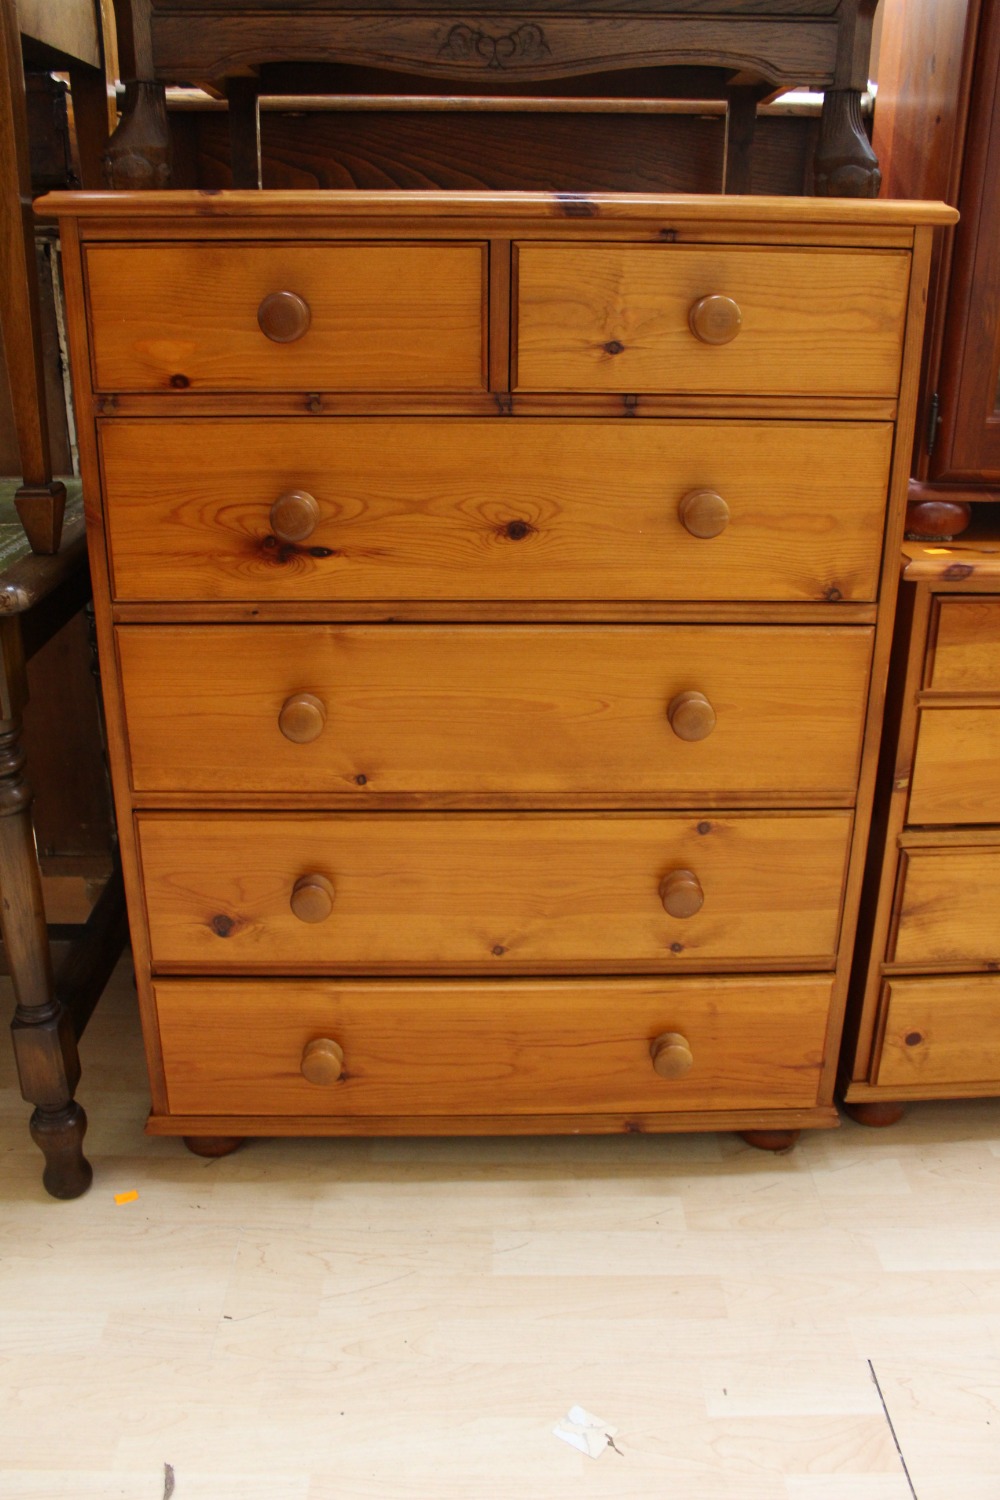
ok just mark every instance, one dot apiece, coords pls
pixel 341 204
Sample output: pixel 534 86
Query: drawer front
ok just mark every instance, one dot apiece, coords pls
pixel 620 317
pixel 380 317
pixel 533 712
pixel 942 1031
pixel 956 771
pixel 466 509
pixel 491 1048
pixel 490 892
pixel 948 913
pixel 966 653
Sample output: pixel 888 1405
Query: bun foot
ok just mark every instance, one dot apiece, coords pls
pixel 771 1140
pixel 876 1113
pixel 213 1145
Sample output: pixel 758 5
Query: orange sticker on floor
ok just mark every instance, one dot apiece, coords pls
pixel 126 1197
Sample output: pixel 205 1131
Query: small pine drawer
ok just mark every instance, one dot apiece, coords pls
pixel 586 714
pixel 941 1033
pixel 298 1047
pixel 964 656
pixel 245 317
pixel 757 320
pixel 487 892
pixel 465 509
pixel 956 769
pixel 948 907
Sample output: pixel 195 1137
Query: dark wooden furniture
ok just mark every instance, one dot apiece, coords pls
pixel 495 595
pixel 937 131
pixel 41 497
pixel 38 595
pixel 742 52
pixel 925 1014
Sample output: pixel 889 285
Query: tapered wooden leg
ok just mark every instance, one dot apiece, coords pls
pixel 213 1145
pixel 845 165
pixel 876 1113
pixel 771 1140
pixel 45 1049
pixel 139 156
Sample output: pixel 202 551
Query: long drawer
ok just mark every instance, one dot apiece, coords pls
pixel 319 317
pixel 465 509
pixel 965 654
pixel 490 1048
pixel 621 317
pixel 948 907
pixel 492 892
pixel 648 715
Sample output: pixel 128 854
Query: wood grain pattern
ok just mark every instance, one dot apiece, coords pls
pixel 603 317
pixel 184 317
pixel 966 648
pixel 507 710
pixel 491 1047
pixel 490 892
pixel 455 508
pixel 949 902
pixel 941 1031
pixel 956 774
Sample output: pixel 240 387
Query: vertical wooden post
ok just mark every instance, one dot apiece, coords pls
pixel 44 1038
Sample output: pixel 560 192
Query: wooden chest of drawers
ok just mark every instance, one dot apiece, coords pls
pixel 925 1002
pixel 495 618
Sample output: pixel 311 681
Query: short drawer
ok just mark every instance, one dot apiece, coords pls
pixel 491 892
pixel 956 770
pixel 948 908
pixel 940 1031
pixel 584 713
pixel 490 1048
pixel 244 317
pixel 620 317
pixel 462 509
pixel 966 654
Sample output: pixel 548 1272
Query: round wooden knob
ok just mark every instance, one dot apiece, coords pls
pixel 312 898
pixel 322 1061
pixel 715 319
pixel 294 516
pixel 284 317
pixel 691 716
pixel 703 513
pixel 302 718
pixel 681 893
pixel 671 1054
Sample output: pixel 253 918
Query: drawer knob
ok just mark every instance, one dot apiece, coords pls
pixel 681 893
pixel 703 513
pixel 312 898
pixel 293 516
pixel 715 319
pixel 671 1054
pixel 302 718
pixel 322 1061
pixel 691 716
pixel 284 317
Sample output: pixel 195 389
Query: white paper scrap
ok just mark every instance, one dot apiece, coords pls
pixel 582 1430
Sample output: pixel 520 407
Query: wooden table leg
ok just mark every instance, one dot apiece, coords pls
pixel 48 1061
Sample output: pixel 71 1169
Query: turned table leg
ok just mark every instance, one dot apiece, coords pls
pixel 845 165
pixel 44 1037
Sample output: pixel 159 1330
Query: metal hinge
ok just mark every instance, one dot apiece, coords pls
pixel 933 421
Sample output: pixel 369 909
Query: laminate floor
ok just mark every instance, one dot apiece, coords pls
pixel 408 1320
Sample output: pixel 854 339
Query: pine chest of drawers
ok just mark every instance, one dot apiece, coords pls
pixel 493 604
pixel 924 1019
